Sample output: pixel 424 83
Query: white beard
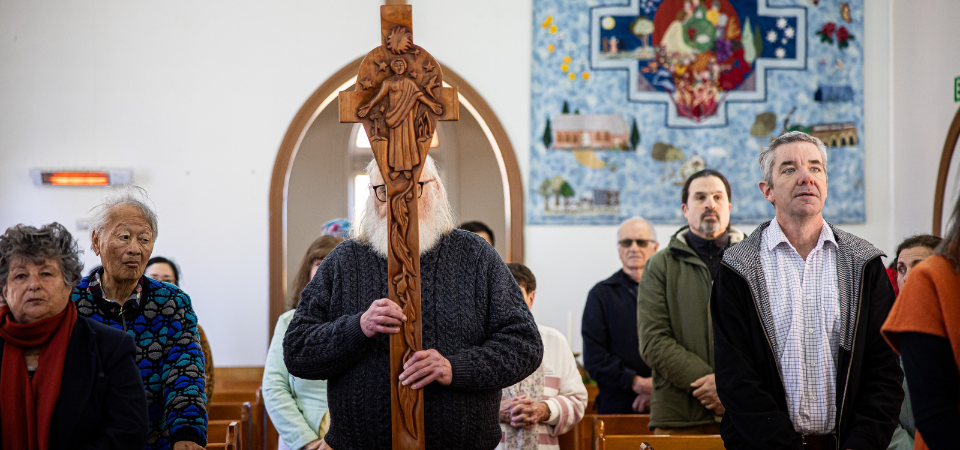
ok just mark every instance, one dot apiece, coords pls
pixel 435 213
pixel 430 234
pixel 436 220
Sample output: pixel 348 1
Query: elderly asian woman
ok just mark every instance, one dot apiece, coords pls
pixel 159 317
pixel 66 382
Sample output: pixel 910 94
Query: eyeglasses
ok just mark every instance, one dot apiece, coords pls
pixel 626 243
pixel 380 190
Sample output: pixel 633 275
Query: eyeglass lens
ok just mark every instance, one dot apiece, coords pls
pixel 380 190
pixel 640 242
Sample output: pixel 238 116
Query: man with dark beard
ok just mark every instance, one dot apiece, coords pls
pixel 676 337
pixel 478 335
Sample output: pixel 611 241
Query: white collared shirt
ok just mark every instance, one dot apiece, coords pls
pixel 805 303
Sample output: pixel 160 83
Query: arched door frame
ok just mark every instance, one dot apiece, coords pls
pixel 948 148
pixel 321 98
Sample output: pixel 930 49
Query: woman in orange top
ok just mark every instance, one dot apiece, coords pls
pixel 924 326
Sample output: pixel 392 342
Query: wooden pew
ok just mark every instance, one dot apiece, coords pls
pixel 232 433
pixel 625 423
pixel 221 413
pixel 581 436
pixel 264 432
pixel 234 386
pixel 236 379
pixel 603 440
pixel 246 419
pixel 235 396
pixel 573 440
pixel 592 391
pixel 224 411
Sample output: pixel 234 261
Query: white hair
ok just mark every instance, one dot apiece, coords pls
pixel 653 233
pixel 436 217
pixel 123 195
pixel 769 154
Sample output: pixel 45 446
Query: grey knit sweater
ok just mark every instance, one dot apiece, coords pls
pixel 473 314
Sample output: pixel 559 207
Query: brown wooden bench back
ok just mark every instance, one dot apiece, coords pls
pixel 605 439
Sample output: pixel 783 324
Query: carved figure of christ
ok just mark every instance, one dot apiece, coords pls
pixel 399 98
pixel 403 151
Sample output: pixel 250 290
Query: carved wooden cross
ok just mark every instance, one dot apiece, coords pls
pixel 399 98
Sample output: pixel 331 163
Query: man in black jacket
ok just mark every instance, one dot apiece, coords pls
pixel 611 345
pixel 797 309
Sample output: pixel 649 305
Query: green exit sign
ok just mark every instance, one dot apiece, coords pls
pixel 956 89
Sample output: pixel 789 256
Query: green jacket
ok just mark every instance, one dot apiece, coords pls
pixel 676 334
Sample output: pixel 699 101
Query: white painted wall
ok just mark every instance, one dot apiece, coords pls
pixel 926 63
pixel 196 97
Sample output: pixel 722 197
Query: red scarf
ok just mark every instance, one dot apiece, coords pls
pixel 27 405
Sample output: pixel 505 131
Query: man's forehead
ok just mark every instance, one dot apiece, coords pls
pixel 709 191
pixel 914 253
pixel 635 229
pixel 127 216
pixel 796 152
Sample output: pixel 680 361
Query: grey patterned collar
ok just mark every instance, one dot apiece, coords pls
pixel 853 253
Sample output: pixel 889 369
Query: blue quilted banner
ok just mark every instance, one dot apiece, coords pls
pixel 629 98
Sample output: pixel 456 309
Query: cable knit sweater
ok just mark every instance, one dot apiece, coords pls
pixel 473 314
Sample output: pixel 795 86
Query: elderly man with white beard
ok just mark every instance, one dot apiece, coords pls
pixel 478 335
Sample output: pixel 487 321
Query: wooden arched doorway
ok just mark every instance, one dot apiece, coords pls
pixel 948 178
pixel 470 102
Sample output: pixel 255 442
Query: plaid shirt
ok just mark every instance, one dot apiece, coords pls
pixel 122 312
pixel 805 303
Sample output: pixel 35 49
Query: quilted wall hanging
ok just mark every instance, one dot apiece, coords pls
pixel 629 98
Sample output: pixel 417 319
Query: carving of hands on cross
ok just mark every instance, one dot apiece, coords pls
pixel 362 112
pixel 437 109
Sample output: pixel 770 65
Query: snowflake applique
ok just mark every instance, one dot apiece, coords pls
pixel 780 52
pixel 772 36
pixel 789 32
pixel 781 23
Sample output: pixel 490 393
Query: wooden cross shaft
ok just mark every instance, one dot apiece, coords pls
pixel 399 98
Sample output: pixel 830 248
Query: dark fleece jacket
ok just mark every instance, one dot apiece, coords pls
pixel 869 390
pixel 473 314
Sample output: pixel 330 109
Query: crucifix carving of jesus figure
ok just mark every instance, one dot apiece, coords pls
pixel 399 98
pixel 403 151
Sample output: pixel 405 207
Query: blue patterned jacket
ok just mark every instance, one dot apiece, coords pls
pixel 161 321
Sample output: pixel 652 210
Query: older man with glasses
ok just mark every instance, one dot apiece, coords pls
pixel 478 335
pixel 611 348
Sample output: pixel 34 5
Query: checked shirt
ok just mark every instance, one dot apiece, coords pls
pixel 805 304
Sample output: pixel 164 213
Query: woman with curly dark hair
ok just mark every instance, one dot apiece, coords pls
pixel 65 381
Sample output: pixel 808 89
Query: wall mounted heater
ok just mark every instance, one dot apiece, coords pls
pixel 67 177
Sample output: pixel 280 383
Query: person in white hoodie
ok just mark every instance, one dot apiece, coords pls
pixel 551 401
